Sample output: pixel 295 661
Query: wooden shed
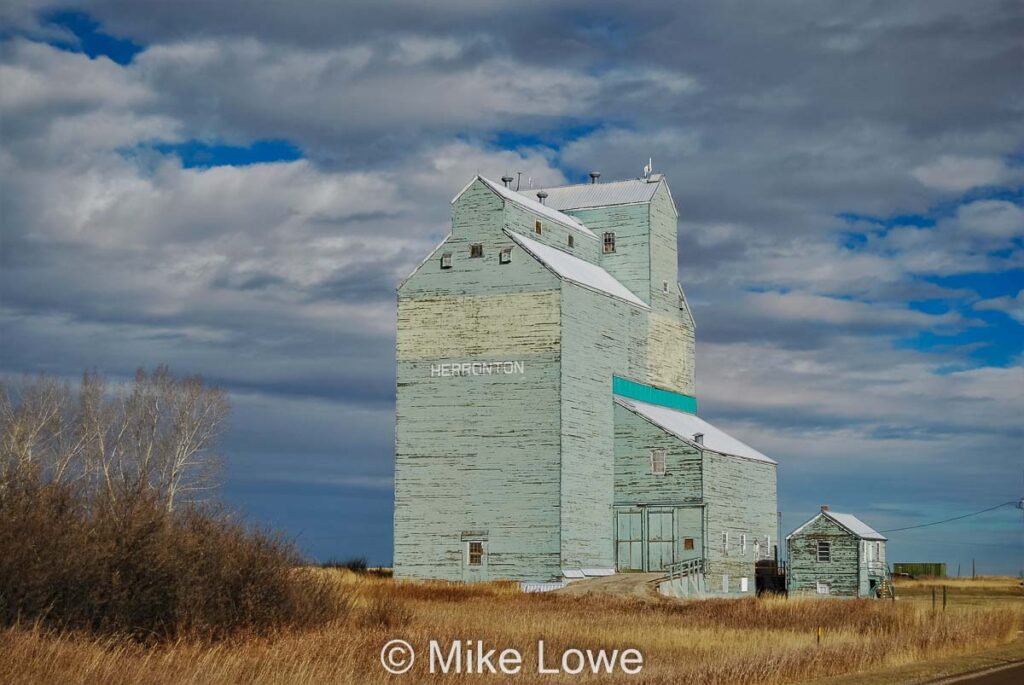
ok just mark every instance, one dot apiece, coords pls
pixel 838 555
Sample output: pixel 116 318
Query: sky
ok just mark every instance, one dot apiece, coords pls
pixel 236 190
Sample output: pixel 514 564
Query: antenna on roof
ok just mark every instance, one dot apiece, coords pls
pixel 519 178
pixel 649 168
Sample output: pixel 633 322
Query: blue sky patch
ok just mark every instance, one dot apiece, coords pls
pixel 199 154
pixel 92 40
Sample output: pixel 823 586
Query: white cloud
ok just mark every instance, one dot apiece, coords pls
pixel 962 173
pixel 1014 306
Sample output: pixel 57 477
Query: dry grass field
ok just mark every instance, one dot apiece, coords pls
pixel 712 641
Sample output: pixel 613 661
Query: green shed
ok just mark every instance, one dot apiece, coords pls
pixel 836 554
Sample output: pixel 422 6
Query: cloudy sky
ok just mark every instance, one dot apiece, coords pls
pixel 235 190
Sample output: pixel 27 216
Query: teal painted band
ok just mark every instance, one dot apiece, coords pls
pixel 651 395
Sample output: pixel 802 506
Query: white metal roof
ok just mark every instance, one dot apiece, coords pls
pixel 584 195
pixel 577 270
pixel 531 204
pixel 685 425
pixel 847 521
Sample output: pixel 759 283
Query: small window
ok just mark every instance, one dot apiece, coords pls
pixel 537 228
pixel 664 287
pixel 505 256
pixel 476 553
pixel 476 250
pixel 824 588
pixel 744 587
pixel 609 242
pixel 878 551
pixel 446 260
pixel 743 543
pixel 572 242
pixel 658 462
pixel 725 583
pixel 688 543
pixel 725 542
pixel 824 550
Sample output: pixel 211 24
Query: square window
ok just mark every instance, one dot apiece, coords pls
pixel 658 462
pixel 824 550
pixel 446 260
pixel 476 553
pixel 537 227
pixel 688 543
pixel 609 242
pixel 476 250
pixel 572 242
pixel 505 256
pixel 824 588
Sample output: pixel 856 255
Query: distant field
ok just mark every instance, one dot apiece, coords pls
pixel 963 592
pixel 711 641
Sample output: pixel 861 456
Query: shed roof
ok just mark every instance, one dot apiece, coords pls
pixel 684 425
pixel 585 195
pixel 576 270
pixel 531 204
pixel 847 521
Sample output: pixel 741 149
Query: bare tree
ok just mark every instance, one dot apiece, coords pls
pixel 156 436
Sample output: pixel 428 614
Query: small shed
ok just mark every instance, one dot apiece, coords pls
pixel 838 555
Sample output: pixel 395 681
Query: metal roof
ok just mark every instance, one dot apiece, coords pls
pixel 584 195
pixel 685 425
pixel 531 204
pixel 847 521
pixel 576 270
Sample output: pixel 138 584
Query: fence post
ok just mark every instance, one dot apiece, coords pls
pixel 821 632
pixel 933 599
pixel 943 597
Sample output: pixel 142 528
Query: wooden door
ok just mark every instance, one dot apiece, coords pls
pixel 629 538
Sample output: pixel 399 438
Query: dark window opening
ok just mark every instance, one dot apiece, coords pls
pixel 571 241
pixel 537 227
pixel 505 256
pixel 824 550
pixel 609 242
pixel 476 250
pixel 476 553
pixel 688 543
pixel 446 260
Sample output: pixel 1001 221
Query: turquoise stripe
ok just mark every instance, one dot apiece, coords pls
pixel 651 395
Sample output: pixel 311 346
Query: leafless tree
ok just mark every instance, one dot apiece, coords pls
pixel 154 436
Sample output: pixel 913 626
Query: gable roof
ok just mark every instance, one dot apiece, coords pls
pixel 588 195
pixel 532 205
pixel 576 270
pixel 848 522
pixel 684 425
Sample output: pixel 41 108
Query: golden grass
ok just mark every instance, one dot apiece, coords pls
pixel 710 641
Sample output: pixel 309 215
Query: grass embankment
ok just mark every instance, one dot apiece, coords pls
pixel 711 641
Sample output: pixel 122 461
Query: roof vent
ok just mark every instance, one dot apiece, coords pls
pixel 824 507
pixel 541 195
pixel 698 438
pixel 507 180
pixel 594 175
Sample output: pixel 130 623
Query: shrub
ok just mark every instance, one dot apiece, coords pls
pixel 144 572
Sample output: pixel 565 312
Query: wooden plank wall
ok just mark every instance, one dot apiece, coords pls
pixel 741 499
pixel 842 571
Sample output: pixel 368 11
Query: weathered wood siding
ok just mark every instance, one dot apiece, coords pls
pixel 631 261
pixel 524 222
pixel 635 438
pixel 478 454
pixel 842 572
pixel 599 334
pixel 741 500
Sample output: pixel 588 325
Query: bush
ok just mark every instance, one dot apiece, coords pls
pixel 69 561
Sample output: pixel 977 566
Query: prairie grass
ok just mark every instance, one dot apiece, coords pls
pixel 770 640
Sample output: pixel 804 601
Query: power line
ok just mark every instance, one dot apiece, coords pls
pixel 955 518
